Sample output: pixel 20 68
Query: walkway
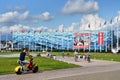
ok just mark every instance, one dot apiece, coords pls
pixel 94 71
pixel 84 63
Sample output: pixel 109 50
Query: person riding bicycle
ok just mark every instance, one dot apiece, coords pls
pixel 22 56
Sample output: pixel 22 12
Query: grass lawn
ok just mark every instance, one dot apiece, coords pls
pixel 7 65
pixel 106 56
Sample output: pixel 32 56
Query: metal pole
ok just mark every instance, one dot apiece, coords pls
pixel 95 44
pixel 35 45
pixel 111 39
pixel 68 45
pixel 57 44
pixel 51 46
pixel 6 42
pixel 73 43
pixel 100 42
pixel 89 41
pixel 84 40
pixel 95 38
pixel 0 41
pixel 117 39
pixel 29 41
pixel 62 42
pixel 78 45
pixel 106 40
pixel 18 41
pixel 41 43
pixel 12 41
pixel 46 44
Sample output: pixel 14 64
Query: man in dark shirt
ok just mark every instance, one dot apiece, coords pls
pixel 22 56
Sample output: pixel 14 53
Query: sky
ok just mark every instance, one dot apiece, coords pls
pixel 70 15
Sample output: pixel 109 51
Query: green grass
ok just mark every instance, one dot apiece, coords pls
pixel 7 65
pixel 48 64
pixel 106 56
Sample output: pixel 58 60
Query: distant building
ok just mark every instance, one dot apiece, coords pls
pixel 88 40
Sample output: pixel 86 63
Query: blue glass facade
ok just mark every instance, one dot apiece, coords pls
pixel 63 40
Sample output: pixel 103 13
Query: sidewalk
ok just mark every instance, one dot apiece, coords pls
pixel 84 63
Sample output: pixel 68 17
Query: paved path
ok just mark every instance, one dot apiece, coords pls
pixel 111 75
pixel 84 63
pixel 93 69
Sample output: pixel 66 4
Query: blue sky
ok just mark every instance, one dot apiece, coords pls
pixel 56 14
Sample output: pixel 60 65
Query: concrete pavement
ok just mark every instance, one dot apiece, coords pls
pixel 94 70
pixel 111 75
pixel 84 63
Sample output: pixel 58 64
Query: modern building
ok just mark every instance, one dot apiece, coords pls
pixel 85 40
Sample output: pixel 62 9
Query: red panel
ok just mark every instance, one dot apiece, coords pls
pixel 100 38
pixel 86 46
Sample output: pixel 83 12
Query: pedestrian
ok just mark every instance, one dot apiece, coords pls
pixel 88 56
pixel 63 54
pixel 47 54
pixel 39 55
pixel 68 53
pixel 75 56
pixel 85 56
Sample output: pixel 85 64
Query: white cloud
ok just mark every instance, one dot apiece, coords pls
pixel 61 28
pixel 115 24
pixel 15 27
pixel 39 28
pixel 94 20
pixel 72 28
pixel 19 27
pixel 12 18
pixel 9 17
pixel 25 15
pixel 46 16
pixel 118 13
pixel 80 6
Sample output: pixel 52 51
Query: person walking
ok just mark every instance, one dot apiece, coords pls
pixel 63 54
pixel 85 56
pixel 88 56
pixel 68 53
pixel 75 56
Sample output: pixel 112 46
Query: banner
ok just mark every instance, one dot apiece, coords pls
pixel 82 40
pixel 100 38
